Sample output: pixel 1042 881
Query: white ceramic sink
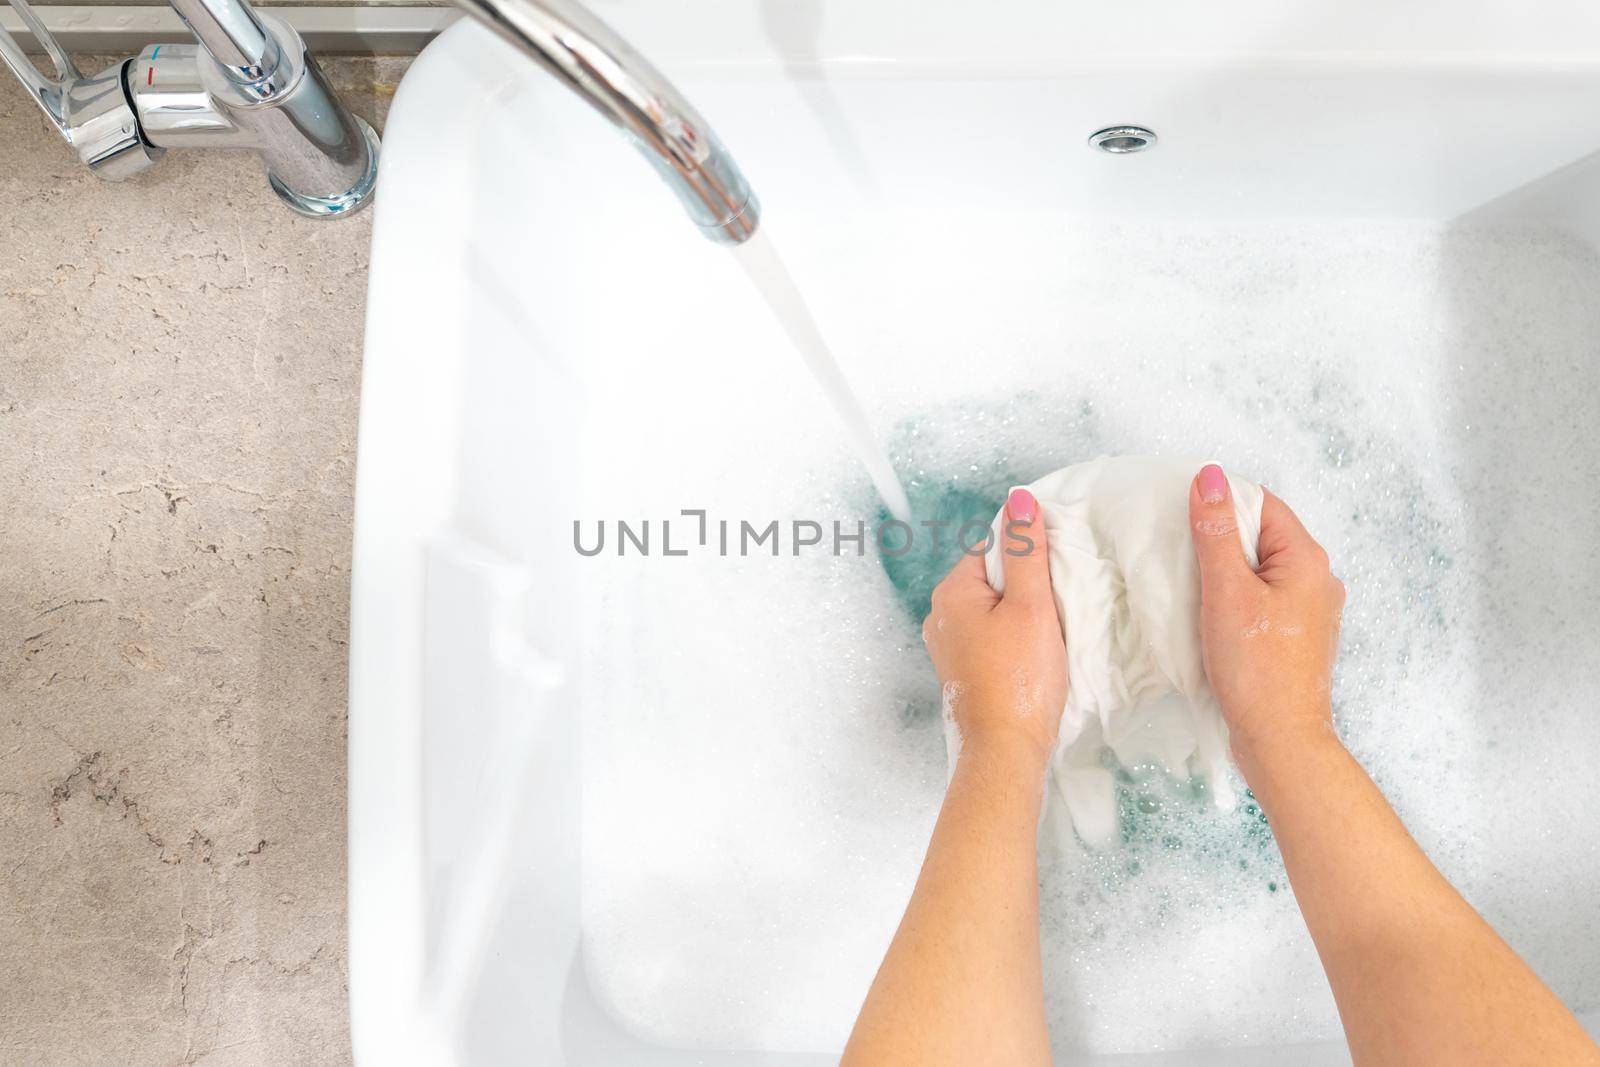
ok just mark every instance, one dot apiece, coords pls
pixel 665 811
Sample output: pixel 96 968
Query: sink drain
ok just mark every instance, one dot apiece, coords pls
pixel 1121 140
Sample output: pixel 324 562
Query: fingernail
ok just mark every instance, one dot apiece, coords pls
pixel 1021 506
pixel 1213 484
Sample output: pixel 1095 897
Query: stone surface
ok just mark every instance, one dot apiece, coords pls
pixel 179 365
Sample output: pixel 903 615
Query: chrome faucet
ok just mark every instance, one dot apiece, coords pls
pixel 250 83
pixel 619 83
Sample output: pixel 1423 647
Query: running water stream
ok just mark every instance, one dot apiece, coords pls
pixel 772 279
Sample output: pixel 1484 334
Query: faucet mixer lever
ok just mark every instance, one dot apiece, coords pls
pixel 92 114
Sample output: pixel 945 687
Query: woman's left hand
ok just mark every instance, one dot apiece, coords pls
pixel 1002 660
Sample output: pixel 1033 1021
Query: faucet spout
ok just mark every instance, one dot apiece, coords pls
pixel 619 83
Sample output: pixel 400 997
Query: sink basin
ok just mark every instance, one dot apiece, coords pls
pixel 643 807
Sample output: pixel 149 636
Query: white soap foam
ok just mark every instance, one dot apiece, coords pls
pixel 763 756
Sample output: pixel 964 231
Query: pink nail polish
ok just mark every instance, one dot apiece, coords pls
pixel 1213 484
pixel 1021 506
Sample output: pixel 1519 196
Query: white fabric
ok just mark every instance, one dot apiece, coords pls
pixel 1127 591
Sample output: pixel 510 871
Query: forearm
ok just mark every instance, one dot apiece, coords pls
pixel 961 981
pixel 1420 978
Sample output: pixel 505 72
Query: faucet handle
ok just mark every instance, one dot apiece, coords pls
pixel 44 89
pixel 93 115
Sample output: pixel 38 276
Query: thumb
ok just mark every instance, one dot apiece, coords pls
pixel 1022 549
pixel 1216 531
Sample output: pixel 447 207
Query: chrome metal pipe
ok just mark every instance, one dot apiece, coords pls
pixel 618 82
pixel 233 34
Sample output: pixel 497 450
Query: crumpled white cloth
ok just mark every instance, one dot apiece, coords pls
pixel 1127 592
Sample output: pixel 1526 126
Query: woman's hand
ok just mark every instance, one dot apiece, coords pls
pixel 961 983
pixel 1269 635
pixel 1419 977
pixel 1001 659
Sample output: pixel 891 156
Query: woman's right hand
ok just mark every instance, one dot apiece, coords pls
pixel 1270 635
pixel 1419 977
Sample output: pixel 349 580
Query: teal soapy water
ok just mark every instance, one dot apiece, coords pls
pixel 917 563
pixel 960 460
pixel 1163 817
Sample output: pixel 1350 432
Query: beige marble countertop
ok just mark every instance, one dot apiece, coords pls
pixel 179 365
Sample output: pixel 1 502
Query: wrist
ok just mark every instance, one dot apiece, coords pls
pixel 1282 741
pixel 1004 771
pixel 1010 746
